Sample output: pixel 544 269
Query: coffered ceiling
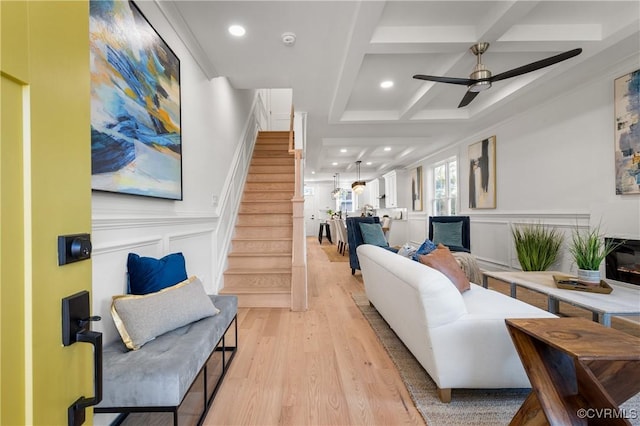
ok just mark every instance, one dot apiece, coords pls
pixel 345 49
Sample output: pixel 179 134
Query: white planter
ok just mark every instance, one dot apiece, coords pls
pixel 589 276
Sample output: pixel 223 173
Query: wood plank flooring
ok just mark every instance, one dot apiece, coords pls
pixel 320 367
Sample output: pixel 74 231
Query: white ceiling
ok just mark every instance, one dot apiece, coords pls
pixel 344 49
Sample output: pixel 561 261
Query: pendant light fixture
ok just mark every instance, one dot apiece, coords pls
pixel 336 183
pixel 358 185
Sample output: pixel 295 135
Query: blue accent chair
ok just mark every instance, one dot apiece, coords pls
pixel 354 237
pixel 464 237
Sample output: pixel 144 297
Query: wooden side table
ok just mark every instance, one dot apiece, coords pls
pixel 580 371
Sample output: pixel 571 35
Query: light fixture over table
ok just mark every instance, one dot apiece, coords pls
pixel 358 185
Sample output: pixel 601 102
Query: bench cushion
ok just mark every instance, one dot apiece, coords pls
pixel 161 372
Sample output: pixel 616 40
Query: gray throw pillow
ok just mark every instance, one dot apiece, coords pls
pixel 141 318
pixel 447 233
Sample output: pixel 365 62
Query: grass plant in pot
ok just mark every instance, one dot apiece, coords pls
pixel 589 249
pixel 537 245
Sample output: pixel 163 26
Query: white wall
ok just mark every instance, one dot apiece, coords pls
pixel 554 164
pixel 219 124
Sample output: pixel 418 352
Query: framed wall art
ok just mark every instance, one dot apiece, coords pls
pixel 482 174
pixel 626 92
pixel 136 141
pixel 416 189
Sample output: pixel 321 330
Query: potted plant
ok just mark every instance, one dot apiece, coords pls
pixel 589 248
pixel 537 245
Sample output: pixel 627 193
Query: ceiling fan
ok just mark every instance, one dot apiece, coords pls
pixel 481 78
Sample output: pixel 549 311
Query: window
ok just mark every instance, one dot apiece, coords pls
pixel 345 201
pixel 445 188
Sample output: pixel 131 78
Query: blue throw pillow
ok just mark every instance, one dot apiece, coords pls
pixel 148 275
pixel 427 247
pixel 372 234
pixel 448 233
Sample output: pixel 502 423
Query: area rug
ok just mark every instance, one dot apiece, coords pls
pixel 468 406
pixel 332 253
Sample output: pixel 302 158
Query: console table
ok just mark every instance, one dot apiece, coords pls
pixel 622 301
pixel 580 371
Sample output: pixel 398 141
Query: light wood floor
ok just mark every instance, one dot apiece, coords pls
pixel 320 367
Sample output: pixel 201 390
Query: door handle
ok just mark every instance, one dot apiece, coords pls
pixel 76 328
pixel 77 410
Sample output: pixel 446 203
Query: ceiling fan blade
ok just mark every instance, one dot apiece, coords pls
pixel 450 80
pixel 468 97
pixel 536 65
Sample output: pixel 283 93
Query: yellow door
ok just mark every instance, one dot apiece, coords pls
pixel 45 191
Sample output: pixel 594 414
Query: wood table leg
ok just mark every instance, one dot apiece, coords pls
pixel 580 371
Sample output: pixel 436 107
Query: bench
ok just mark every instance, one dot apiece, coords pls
pixel 178 372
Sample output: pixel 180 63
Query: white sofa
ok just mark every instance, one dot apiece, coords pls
pixel 461 340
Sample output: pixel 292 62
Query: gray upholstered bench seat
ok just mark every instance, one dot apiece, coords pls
pixel 161 372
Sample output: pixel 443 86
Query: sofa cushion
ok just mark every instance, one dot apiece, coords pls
pixel 141 318
pixel 148 275
pixel 372 234
pixel 442 260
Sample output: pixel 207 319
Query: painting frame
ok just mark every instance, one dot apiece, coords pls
pixel 136 131
pixel 416 189
pixel 482 174
pixel 626 92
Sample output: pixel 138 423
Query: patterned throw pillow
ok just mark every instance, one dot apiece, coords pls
pixel 427 247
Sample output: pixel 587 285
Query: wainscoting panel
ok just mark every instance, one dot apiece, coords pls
pixel 197 248
pixel 492 242
pixel 110 277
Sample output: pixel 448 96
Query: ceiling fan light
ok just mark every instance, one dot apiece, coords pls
pixel 480 86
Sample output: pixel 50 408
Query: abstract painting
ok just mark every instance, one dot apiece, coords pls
pixel 482 174
pixel 416 189
pixel 136 142
pixel 626 91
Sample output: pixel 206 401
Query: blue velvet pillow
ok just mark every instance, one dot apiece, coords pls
pixel 447 233
pixel 372 234
pixel 148 275
pixel 427 247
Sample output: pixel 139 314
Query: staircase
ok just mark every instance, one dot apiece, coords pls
pixel 259 263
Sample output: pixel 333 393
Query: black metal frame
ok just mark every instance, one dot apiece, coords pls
pixel 208 401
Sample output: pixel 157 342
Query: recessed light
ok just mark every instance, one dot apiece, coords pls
pixel 237 30
pixel 386 84
pixel 313 172
pixel 368 163
pixel 343 150
pixel 334 164
pixel 387 148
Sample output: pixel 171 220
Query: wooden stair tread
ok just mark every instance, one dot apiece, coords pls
pixel 253 290
pixel 260 239
pixel 258 271
pixel 279 253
